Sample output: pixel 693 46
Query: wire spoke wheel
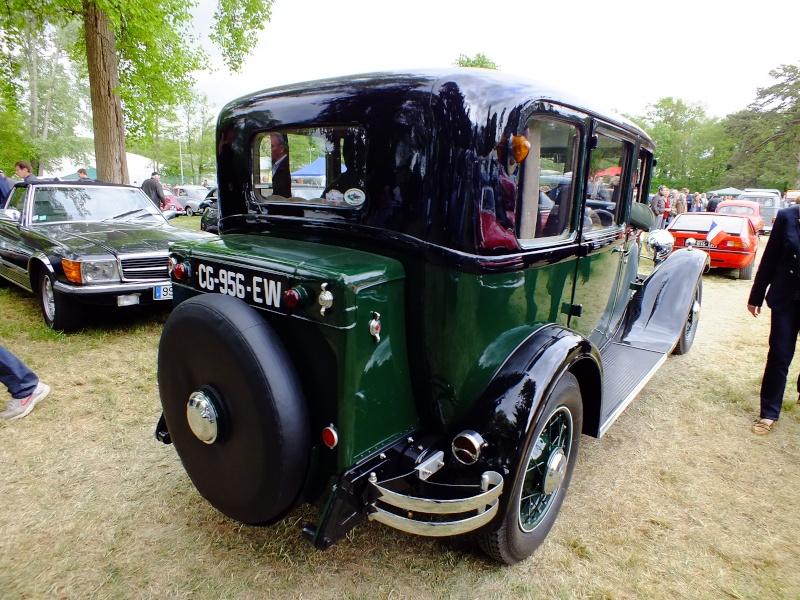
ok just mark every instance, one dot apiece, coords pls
pixel 541 477
pixel 544 473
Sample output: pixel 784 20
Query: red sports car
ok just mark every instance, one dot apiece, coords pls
pixel 730 240
pixel 744 207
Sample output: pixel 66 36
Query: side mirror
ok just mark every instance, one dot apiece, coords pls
pixel 9 214
pixel 169 214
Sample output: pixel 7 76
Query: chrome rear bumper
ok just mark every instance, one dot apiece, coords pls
pixel 444 510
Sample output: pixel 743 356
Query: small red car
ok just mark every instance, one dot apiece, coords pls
pixel 744 207
pixel 171 202
pixel 730 240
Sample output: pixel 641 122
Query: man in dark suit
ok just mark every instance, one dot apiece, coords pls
pixel 778 279
pixel 281 180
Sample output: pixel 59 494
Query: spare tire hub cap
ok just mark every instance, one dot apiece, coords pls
pixel 203 417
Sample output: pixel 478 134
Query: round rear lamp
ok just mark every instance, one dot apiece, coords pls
pixel 296 297
pixel 329 436
pixel 181 271
pixel 467 447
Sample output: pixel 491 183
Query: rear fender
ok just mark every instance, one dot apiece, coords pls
pixel 657 313
pixel 511 403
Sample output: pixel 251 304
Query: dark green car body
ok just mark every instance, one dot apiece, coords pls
pixel 450 272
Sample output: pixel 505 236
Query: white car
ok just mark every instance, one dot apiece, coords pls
pixel 190 196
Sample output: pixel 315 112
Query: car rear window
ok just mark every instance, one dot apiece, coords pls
pixel 311 167
pixel 766 201
pixel 736 210
pixel 702 222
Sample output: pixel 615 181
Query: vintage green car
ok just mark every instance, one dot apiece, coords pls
pixel 426 288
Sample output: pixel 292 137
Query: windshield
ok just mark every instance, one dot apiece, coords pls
pixel 702 223
pixel 59 204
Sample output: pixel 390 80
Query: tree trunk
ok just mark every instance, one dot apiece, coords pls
pixel 109 127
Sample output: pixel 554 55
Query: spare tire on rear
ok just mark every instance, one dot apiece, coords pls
pixel 254 468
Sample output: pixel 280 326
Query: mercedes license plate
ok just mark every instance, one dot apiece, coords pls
pixel 162 292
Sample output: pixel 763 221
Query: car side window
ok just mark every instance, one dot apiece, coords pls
pixel 547 179
pixel 607 166
pixel 17 198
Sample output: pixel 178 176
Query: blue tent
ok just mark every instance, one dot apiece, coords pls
pixel 315 169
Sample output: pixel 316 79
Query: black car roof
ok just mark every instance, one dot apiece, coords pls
pixel 477 87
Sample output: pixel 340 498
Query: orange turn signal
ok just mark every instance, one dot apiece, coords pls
pixel 72 270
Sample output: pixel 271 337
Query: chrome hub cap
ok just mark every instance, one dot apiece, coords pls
pixel 203 418
pixel 556 469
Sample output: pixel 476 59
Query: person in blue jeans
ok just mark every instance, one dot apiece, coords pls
pixel 24 386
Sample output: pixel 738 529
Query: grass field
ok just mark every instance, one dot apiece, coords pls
pixel 678 500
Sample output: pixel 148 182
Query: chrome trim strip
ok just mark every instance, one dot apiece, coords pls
pixel 435 529
pixel 486 502
pixel 121 288
pixel 442 507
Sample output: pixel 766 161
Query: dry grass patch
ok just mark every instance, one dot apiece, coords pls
pixel 678 500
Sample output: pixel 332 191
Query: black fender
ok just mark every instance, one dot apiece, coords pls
pixel 512 401
pixel 657 312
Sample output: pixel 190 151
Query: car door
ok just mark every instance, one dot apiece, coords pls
pixel 605 242
pixel 14 251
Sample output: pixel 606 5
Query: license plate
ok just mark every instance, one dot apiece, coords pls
pixel 254 287
pixel 704 244
pixel 162 292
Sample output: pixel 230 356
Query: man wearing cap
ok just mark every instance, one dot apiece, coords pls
pixel 5 186
pixel 153 188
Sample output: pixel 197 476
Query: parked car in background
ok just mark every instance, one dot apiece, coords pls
pixel 74 245
pixel 211 198
pixel 422 339
pixel 210 220
pixel 171 202
pixel 190 196
pixel 731 240
pixel 770 201
pixel 744 207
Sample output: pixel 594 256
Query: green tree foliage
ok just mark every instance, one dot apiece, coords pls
pixel 16 145
pixel 138 55
pixel 767 134
pixel 756 147
pixel 674 126
pixel 185 138
pixel 480 60
pixel 47 96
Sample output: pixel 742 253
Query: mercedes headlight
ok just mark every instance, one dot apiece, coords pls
pixel 90 271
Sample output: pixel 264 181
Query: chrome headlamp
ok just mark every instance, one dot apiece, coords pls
pixel 659 243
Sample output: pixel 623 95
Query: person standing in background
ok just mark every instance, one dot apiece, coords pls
pixel 778 281
pixel 153 188
pixel 5 186
pixel 24 171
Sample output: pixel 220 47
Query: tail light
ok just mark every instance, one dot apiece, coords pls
pixel 734 243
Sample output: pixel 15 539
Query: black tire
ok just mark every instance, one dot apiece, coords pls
pixel 526 519
pixel 59 313
pixel 746 273
pixel 189 211
pixel 689 330
pixel 255 470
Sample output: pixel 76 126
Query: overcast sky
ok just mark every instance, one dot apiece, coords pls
pixel 621 54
